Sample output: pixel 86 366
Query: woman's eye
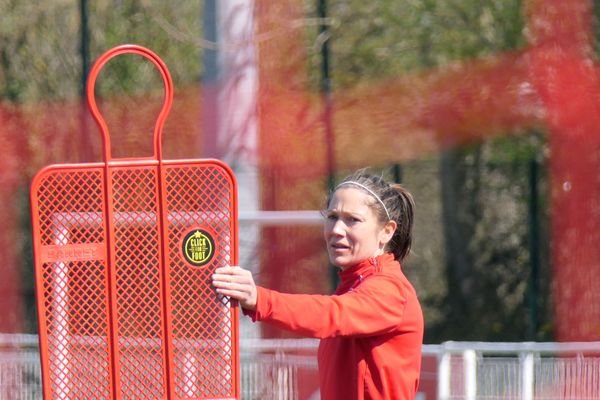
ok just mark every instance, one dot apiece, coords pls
pixel 351 220
pixel 331 217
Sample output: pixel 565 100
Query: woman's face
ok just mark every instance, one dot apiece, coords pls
pixel 352 231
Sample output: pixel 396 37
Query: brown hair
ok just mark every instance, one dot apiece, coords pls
pixel 398 202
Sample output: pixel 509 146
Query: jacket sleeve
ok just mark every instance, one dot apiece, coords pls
pixel 374 307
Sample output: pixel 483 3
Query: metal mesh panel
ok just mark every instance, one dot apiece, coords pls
pixel 567 378
pixel 499 377
pixel 201 322
pixel 119 321
pixel 136 247
pixel 70 207
pixel 71 283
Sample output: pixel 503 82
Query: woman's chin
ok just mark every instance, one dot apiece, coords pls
pixel 341 262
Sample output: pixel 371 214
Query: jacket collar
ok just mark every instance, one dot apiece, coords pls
pixel 351 277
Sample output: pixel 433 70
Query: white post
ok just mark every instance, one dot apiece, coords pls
pixel 470 374
pixel 444 376
pixel 231 114
pixel 61 314
pixel 237 132
pixel 527 378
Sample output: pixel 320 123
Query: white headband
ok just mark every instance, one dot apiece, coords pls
pixel 372 193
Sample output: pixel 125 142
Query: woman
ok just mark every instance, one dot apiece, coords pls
pixel 371 329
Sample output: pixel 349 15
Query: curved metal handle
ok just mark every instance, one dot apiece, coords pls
pixel 168 98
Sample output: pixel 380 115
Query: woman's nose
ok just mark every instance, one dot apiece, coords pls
pixel 338 227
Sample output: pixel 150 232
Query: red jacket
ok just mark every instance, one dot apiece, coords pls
pixel 371 331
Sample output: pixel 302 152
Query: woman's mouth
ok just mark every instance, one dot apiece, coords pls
pixel 339 246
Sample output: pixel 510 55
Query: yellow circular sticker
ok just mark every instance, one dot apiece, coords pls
pixel 198 247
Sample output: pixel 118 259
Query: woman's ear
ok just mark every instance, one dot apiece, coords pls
pixel 387 232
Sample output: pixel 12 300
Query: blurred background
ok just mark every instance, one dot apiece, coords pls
pixel 486 111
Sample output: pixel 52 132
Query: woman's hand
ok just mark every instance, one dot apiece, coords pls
pixel 236 283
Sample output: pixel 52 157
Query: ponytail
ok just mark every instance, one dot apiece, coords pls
pixel 402 206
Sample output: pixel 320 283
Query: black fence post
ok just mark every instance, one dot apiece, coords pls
pixel 534 254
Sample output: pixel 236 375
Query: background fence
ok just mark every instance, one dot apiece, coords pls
pixel 527 370
pixel 281 369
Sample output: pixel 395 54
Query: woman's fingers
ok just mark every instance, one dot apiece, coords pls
pixel 236 283
pixel 231 275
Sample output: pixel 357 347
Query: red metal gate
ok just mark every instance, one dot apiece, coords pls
pixel 124 250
